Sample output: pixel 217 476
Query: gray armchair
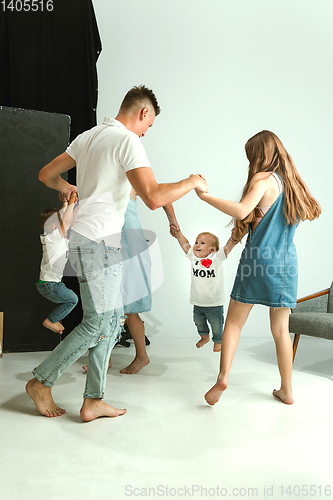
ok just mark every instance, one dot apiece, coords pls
pixel 313 315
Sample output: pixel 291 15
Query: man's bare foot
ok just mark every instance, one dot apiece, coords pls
pixel 136 365
pixel 285 397
pixel 214 394
pixel 94 408
pixel 217 347
pixel 204 339
pixel 42 398
pixel 55 327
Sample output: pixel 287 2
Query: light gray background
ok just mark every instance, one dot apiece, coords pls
pixel 222 71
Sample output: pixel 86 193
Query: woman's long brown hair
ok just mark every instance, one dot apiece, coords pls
pixel 266 153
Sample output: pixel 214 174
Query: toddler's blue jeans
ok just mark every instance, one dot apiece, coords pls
pixel 57 292
pixel 212 315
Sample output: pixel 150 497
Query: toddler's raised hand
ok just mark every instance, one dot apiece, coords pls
pixel 173 230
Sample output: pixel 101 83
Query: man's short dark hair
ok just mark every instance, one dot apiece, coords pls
pixel 137 95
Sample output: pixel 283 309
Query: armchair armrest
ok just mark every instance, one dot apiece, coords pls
pixel 316 302
pixel 314 295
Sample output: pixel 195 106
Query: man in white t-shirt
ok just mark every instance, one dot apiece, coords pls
pixel 109 158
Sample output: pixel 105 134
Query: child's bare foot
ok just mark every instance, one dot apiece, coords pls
pixel 42 398
pixel 94 408
pixel 217 347
pixel 55 327
pixel 136 365
pixel 214 394
pixel 204 339
pixel 285 397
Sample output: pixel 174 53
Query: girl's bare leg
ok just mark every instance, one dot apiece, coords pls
pixel 280 331
pixel 137 329
pixel 236 318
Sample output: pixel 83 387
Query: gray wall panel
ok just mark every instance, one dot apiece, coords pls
pixel 28 141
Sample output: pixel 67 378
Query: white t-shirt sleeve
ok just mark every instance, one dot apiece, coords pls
pixel 189 254
pixel 221 255
pixel 132 154
pixel 53 237
pixel 71 150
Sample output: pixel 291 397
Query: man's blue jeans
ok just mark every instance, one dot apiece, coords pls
pixel 58 293
pixel 212 315
pixel 98 269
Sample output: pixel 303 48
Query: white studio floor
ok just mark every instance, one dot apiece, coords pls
pixel 171 443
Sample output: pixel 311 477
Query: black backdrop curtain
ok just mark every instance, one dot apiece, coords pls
pixel 48 63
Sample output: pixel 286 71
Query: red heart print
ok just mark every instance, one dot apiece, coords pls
pixel 206 262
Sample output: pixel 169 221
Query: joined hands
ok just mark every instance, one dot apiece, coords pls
pixel 201 186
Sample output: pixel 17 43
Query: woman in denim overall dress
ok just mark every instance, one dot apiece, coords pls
pixel 275 199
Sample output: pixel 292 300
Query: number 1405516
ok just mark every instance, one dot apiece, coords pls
pixel 27 5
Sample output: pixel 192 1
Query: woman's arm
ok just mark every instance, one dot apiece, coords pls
pixel 241 209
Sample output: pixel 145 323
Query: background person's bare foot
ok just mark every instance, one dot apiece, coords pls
pixel 85 367
pixel 284 397
pixel 42 398
pixel 55 327
pixel 136 365
pixel 94 408
pixel 214 394
pixel 217 347
pixel 204 339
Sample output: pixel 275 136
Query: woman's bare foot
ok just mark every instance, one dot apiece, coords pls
pixel 136 365
pixel 214 394
pixel 285 397
pixel 94 408
pixel 217 347
pixel 55 327
pixel 42 398
pixel 204 339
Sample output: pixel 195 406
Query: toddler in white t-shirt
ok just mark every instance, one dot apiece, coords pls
pixel 55 224
pixel 207 284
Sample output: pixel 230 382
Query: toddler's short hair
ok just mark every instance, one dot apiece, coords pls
pixel 215 240
pixel 46 220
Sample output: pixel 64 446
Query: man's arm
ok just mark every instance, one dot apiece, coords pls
pixel 158 195
pixel 50 174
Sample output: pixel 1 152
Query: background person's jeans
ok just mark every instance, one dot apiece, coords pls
pixel 57 292
pixel 212 315
pixel 98 270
